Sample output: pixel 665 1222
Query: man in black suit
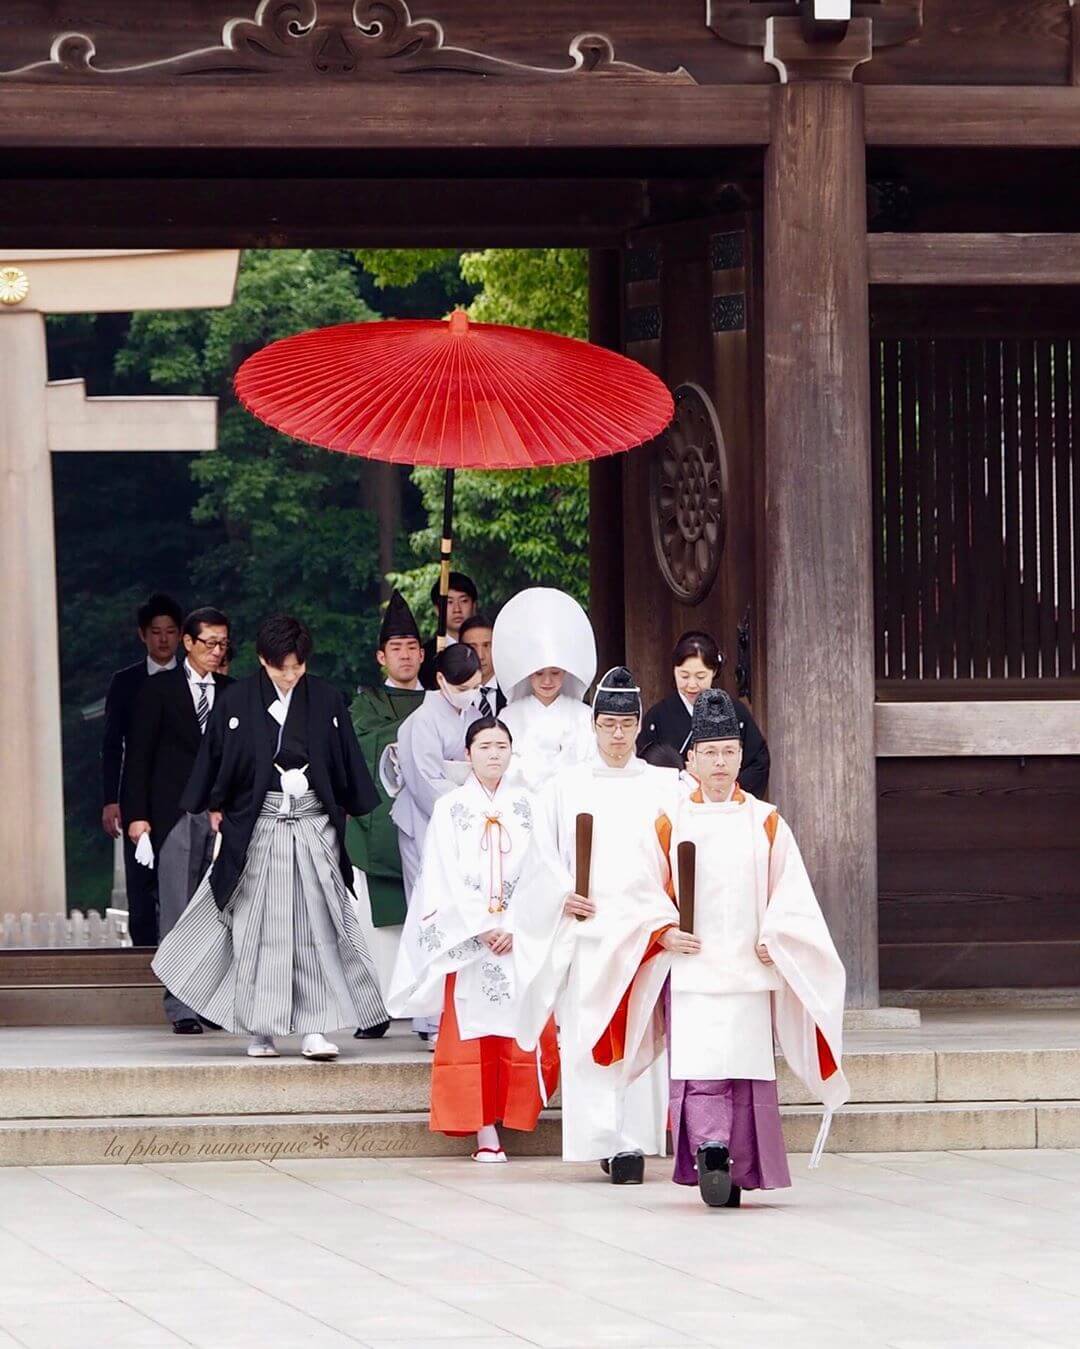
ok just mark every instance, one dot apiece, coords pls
pixel 167 726
pixel 461 602
pixel 476 632
pixel 158 624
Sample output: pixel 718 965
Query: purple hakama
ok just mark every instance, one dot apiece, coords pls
pixel 743 1113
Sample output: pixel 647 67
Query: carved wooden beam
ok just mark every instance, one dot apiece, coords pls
pixel 381 41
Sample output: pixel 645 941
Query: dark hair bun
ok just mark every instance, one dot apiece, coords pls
pixel 457 664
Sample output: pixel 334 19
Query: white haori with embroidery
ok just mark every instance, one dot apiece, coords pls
pixel 474 850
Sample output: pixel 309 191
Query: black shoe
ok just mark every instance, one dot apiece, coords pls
pixel 714 1174
pixel 628 1168
pixel 734 1198
pixel 424 1035
pixel 187 1025
pixel 371 1032
pixel 208 1025
pixel 605 1166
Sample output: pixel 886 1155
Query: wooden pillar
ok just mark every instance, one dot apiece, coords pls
pixel 32 820
pixel 819 575
pixel 606 593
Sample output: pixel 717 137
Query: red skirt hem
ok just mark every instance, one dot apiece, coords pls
pixel 490 1080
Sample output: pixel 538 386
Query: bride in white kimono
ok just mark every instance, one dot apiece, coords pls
pixel 544 654
pixel 456 955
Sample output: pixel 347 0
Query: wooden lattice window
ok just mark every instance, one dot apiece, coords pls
pixel 976 489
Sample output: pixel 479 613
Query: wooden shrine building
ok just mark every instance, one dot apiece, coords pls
pixel 846 235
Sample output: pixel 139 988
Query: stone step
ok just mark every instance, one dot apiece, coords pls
pixel 210 1076
pixel 77 1005
pixel 880 1127
pixel 79 987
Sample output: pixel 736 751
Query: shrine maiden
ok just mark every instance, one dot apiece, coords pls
pixel 761 960
pixel 598 967
pixel 545 652
pixel 457 953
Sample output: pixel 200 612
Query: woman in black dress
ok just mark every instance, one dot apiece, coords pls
pixel 696 661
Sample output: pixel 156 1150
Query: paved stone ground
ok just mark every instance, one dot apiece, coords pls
pixel 973 1250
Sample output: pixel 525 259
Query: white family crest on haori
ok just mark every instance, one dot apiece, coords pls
pixel 541 628
pixel 752 887
pixel 474 850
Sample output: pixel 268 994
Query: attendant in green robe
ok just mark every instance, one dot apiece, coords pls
pixel 372 839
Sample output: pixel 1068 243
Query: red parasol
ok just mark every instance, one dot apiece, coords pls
pixel 454 395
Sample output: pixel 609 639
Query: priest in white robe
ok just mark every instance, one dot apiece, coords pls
pixel 457 953
pixel 761 961
pixel 544 650
pixel 592 945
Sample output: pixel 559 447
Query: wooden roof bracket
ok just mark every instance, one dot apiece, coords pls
pixel 744 23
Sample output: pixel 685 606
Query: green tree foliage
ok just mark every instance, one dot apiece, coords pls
pixel 512 529
pixel 293 530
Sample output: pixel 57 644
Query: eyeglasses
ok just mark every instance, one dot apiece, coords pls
pixel 214 643
pixel 712 756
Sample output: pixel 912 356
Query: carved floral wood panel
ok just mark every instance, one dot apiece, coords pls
pixel 380 39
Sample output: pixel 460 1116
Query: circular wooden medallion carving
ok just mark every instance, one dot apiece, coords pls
pixel 689 496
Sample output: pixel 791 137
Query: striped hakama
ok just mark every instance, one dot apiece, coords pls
pixel 287 956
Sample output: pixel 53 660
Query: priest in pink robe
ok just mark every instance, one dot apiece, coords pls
pixel 764 967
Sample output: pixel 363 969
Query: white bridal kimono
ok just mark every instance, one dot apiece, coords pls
pixel 475 847
pixel 547 739
pixel 589 966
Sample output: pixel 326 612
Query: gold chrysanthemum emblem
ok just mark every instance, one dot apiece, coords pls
pixel 14 285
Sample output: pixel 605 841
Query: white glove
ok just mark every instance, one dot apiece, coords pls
pixel 144 851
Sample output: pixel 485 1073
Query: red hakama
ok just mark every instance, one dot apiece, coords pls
pixel 489 1080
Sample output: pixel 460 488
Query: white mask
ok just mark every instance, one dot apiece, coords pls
pixel 459 698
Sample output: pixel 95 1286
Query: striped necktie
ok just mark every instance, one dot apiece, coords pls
pixel 202 711
pixel 485 706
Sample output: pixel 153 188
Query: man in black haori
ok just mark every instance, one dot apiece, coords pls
pixel 271 944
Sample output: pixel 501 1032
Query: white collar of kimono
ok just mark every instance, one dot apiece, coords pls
pixel 631 768
pixel 153 668
pixel 279 709
pixel 474 783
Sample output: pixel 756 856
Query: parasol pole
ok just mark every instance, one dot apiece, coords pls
pixel 446 548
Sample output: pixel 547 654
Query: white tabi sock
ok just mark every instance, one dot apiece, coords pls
pixel 488 1137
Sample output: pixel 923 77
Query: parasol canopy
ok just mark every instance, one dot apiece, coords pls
pixel 454 394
